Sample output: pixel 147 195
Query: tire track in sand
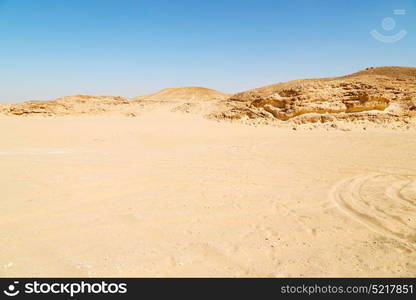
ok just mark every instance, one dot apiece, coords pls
pixel 385 204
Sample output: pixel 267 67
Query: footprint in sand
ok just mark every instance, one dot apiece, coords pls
pixel 386 204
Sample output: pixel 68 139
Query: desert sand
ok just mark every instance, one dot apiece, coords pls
pixel 179 187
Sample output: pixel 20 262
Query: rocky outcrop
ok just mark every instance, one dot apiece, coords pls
pixel 375 91
pixel 69 105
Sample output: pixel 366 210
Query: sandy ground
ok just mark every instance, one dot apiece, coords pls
pixel 170 194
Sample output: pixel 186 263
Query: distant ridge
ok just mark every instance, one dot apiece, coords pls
pixel 67 105
pixel 374 93
pixel 184 93
pixel 393 72
pixel 378 94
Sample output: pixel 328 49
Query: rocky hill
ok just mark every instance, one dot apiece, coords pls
pixel 185 94
pixel 68 105
pixel 373 94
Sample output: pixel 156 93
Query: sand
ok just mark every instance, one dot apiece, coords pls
pixel 174 194
pixel 306 178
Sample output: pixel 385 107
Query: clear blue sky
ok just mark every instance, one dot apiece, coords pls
pixel 52 48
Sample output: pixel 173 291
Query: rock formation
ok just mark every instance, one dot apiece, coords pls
pixel 374 93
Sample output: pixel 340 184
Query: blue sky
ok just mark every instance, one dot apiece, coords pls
pixel 52 48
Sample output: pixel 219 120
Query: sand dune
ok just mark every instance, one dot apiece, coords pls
pixel 185 94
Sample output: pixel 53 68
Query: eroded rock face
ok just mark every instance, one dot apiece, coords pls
pixel 386 90
pixel 77 104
